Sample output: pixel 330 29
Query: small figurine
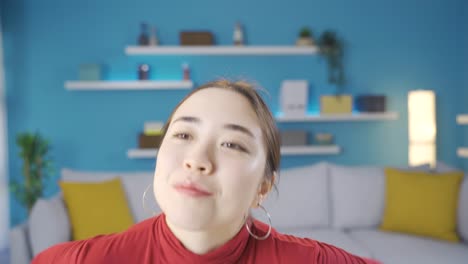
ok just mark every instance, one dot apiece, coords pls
pixel 143 39
pixel 153 41
pixel 143 71
pixel 238 35
pixel 186 71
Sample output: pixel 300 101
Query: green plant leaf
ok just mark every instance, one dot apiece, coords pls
pixel 37 167
pixel 332 49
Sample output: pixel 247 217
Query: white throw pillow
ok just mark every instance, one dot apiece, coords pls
pixel 303 198
pixel 48 224
pixel 134 184
pixel 357 195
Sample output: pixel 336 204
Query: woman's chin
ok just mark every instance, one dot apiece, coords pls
pixel 190 220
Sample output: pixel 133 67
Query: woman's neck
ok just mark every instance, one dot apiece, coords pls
pixel 204 241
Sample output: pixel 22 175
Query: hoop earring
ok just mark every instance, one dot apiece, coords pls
pixel 143 199
pixel 269 226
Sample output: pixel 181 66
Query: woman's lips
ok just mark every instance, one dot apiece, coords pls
pixel 192 190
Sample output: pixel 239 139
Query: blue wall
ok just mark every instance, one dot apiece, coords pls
pixel 464 87
pixel 392 47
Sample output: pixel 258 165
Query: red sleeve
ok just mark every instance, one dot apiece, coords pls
pixel 70 252
pixel 328 254
pixel 126 247
pixel 101 249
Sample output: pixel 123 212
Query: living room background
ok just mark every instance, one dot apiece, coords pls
pixel 391 47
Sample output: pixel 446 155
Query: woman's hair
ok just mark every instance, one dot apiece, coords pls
pixel 267 123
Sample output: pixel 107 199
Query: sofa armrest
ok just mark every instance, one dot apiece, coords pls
pixel 20 250
pixel 48 224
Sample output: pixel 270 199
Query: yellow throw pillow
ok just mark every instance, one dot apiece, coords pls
pixel 422 203
pixel 96 208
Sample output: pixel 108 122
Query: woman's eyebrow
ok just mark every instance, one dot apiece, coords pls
pixel 230 126
pixel 190 119
pixel 240 129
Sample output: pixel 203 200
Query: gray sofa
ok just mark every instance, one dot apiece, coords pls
pixel 339 205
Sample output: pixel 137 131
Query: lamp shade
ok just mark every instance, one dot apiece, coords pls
pixel 422 127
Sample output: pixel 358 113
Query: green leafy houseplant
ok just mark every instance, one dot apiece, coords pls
pixel 332 49
pixel 305 33
pixel 37 167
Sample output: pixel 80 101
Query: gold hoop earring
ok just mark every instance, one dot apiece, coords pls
pixel 143 200
pixel 269 226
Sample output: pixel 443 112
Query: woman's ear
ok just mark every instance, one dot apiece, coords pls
pixel 264 189
pixel 267 184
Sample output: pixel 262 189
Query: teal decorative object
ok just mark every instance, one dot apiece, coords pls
pixel 90 72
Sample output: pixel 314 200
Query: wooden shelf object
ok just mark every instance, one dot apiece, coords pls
pixel 127 85
pixel 341 117
pixel 222 50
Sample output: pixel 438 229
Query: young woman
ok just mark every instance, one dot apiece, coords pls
pixel 218 159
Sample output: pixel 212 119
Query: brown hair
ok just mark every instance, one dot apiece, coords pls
pixel 267 123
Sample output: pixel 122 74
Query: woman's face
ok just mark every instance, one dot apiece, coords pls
pixel 211 162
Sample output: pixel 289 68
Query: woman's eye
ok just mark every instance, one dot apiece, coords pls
pixel 183 136
pixel 234 146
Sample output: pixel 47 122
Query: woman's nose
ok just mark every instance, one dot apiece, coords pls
pixel 203 167
pixel 199 161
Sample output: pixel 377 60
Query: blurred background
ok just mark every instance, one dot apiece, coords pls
pixel 389 48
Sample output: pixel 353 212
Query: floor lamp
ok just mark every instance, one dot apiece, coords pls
pixel 422 127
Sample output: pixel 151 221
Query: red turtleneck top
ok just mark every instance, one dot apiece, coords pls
pixel 151 242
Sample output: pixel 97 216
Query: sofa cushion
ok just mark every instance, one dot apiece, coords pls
pixel 336 238
pixel 96 208
pixel 397 248
pixel 303 198
pixel 48 224
pixel 462 210
pixel 19 245
pixel 134 184
pixel 462 218
pixel 421 203
pixel 442 167
pixel 357 196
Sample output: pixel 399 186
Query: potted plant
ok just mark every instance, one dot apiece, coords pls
pixel 305 37
pixel 37 167
pixel 332 49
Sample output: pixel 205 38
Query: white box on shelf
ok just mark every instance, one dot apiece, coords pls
pixel 462 119
pixel 293 98
pixel 153 126
pixel 462 152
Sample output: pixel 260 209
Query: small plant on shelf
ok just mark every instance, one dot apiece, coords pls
pixel 305 37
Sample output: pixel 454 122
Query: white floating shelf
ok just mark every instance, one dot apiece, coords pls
pixel 221 50
pixel 310 150
pixel 462 119
pixel 341 117
pixel 462 152
pixel 289 150
pixel 127 85
pixel 142 153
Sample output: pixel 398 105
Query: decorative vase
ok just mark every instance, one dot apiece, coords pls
pixel 305 41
